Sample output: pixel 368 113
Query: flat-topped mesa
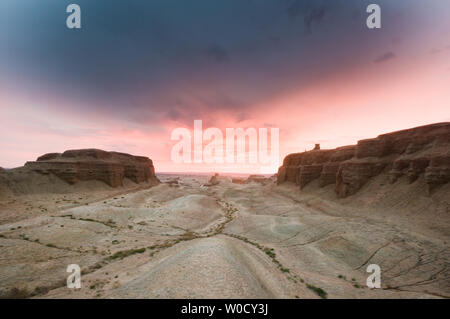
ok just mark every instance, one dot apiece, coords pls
pixel 423 150
pixel 94 164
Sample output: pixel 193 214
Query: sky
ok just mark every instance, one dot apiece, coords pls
pixel 137 70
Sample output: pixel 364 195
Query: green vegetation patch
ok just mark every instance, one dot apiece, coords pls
pixel 125 253
pixel 318 291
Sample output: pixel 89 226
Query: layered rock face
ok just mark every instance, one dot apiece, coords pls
pixel 423 150
pixel 94 164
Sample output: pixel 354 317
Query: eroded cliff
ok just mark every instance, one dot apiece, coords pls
pixel 94 164
pixel 410 153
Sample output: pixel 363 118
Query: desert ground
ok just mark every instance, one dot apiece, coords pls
pixel 187 238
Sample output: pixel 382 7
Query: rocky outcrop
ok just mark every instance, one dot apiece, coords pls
pixel 421 151
pixel 173 181
pixel 238 180
pixel 214 180
pixel 93 164
pixel 260 179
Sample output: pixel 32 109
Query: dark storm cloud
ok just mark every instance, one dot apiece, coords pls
pixel 385 57
pixel 315 15
pixel 218 53
pixel 176 60
pixel 174 114
pixel 311 12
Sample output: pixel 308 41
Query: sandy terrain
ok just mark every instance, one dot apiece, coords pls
pixel 186 240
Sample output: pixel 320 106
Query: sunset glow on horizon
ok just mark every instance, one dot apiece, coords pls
pixel 311 69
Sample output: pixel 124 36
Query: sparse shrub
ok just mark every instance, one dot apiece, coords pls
pixel 188 235
pixel 97 265
pixel 125 253
pixel 15 293
pixel 40 290
pixel 318 291
pixel 284 269
pixel 269 252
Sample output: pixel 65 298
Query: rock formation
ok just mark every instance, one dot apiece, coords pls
pixel 261 179
pixel 173 181
pixel 410 153
pixel 238 180
pixel 214 180
pixel 93 164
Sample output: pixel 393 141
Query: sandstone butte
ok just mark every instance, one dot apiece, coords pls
pixel 421 151
pixel 94 164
